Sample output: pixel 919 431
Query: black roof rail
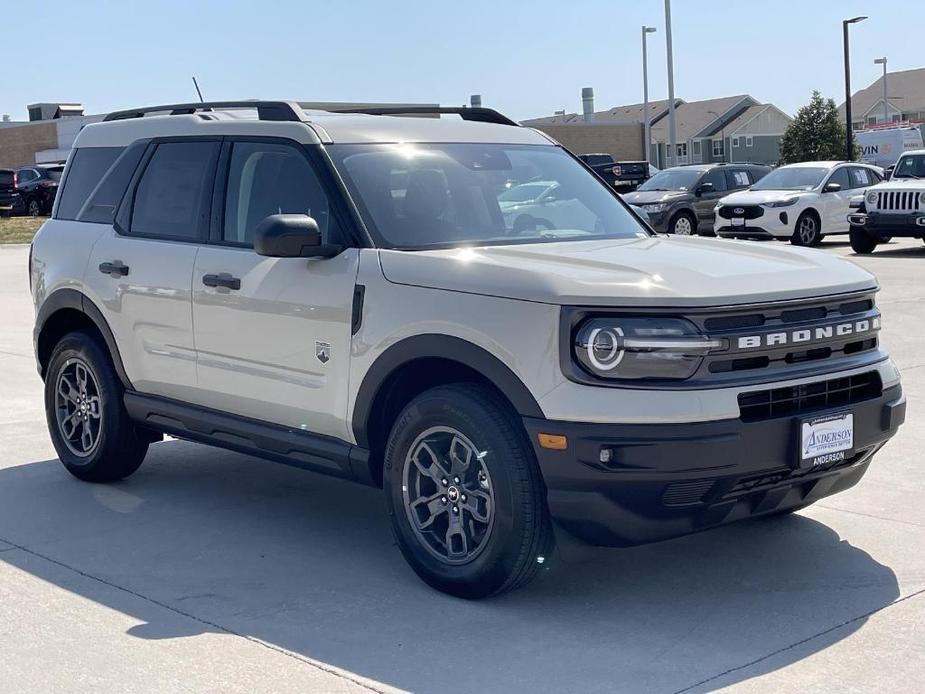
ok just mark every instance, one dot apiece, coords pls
pixel 266 110
pixel 471 113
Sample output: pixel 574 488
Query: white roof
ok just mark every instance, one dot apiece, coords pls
pixel 318 127
pixel 814 164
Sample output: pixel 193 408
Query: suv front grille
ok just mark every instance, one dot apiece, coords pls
pixel 748 211
pixel 759 405
pixel 788 337
pixel 898 200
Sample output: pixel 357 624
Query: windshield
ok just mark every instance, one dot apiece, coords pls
pixel 796 178
pixel 672 179
pixel 912 166
pixel 416 196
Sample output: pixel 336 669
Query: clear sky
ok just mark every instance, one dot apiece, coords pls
pixel 525 58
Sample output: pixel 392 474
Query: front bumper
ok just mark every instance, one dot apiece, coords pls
pixel 893 224
pixel 773 224
pixel 666 480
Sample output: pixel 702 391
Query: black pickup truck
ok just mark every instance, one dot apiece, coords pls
pixel 623 175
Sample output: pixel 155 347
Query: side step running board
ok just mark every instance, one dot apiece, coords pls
pixel 294 447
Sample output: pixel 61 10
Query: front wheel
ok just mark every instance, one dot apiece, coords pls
pixel 34 208
pixel 808 231
pixel 683 225
pixel 89 426
pixel 861 241
pixel 464 494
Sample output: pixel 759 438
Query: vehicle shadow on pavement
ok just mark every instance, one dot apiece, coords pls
pixel 205 540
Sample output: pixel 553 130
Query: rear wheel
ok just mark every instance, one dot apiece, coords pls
pixel 33 207
pixel 90 429
pixel 683 224
pixel 464 493
pixel 808 231
pixel 861 241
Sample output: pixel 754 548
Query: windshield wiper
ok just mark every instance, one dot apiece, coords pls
pixel 907 175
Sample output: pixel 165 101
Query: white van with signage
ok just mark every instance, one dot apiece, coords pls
pixel 882 147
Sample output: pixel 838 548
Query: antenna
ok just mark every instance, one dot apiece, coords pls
pixel 198 90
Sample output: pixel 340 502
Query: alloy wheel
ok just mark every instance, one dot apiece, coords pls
pixel 448 495
pixel 78 407
pixel 34 208
pixel 807 230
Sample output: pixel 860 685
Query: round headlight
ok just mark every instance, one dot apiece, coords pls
pixel 872 197
pixel 605 349
pixel 922 198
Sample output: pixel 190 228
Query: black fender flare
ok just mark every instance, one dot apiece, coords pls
pixel 440 347
pixel 74 299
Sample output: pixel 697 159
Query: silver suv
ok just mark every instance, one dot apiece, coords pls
pixel 345 293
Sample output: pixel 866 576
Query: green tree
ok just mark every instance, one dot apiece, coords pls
pixel 815 134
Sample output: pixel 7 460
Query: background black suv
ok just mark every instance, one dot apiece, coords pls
pixel 36 187
pixel 7 191
pixel 680 200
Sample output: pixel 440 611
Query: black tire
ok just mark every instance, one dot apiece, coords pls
pixel 808 230
pixel 519 532
pixel 33 207
pixel 117 449
pixel 683 224
pixel 861 241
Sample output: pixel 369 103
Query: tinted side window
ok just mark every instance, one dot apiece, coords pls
pixel 861 178
pixel 841 178
pixel 717 177
pixel 738 178
pixel 266 179
pixel 105 198
pixel 87 167
pixel 25 175
pixel 171 199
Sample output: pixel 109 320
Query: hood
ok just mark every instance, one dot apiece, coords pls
pixel 650 271
pixel 644 197
pixel 900 184
pixel 758 197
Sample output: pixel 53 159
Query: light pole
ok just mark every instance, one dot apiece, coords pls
pixel 672 131
pixel 849 137
pixel 722 136
pixel 645 91
pixel 886 108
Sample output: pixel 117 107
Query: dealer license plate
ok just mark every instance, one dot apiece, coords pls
pixel 825 440
pixel 738 221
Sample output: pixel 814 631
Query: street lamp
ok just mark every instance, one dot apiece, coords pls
pixel 672 131
pixel 722 135
pixel 849 139
pixel 886 110
pixel 645 91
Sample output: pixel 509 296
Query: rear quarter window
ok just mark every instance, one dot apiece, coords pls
pixel 87 167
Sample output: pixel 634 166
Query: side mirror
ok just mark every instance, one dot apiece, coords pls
pixel 855 202
pixel 705 188
pixel 292 236
pixel 831 188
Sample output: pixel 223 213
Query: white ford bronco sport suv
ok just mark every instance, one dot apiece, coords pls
pixel 892 208
pixel 341 292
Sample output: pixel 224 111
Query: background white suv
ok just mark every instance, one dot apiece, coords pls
pixel 800 202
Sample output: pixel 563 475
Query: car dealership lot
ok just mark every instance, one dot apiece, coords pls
pixel 209 570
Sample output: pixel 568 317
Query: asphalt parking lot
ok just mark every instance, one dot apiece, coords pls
pixel 212 571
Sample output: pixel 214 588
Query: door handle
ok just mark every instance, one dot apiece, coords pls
pixel 116 268
pixel 223 279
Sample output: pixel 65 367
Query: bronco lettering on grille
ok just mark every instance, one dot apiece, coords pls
pixel 804 335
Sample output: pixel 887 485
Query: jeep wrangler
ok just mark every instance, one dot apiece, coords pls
pixel 344 292
pixel 892 208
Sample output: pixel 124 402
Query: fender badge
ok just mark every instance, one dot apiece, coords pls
pixel 323 351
